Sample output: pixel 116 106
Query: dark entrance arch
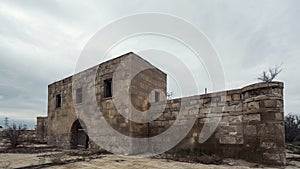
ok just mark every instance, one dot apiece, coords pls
pixel 79 138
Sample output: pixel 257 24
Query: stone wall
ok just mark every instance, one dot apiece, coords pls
pixel 61 119
pixel 246 123
pixel 41 129
pixel 250 124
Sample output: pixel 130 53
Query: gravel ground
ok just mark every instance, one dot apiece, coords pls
pixel 117 162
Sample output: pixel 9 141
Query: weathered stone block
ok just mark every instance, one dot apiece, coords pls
pixel 228 108
pixel 267 131
pixel 252 117
pixel 272 157
pixel 205 110
pixel 253 105
pixel 227 140
pixel 236 97
pixel 228 98
pixel 235 119
pixel 193 111
pixel 250 130
pixel 267 144
pixel 203 120
pixel 240 140
pixel 270 103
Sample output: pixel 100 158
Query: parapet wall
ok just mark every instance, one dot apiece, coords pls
pixel 249 124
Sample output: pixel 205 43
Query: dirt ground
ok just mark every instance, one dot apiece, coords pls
pixel 116 162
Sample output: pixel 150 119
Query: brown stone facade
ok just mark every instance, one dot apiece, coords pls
pixel 250 120
pixel 251 126
pixel 62 117
pixel 41 129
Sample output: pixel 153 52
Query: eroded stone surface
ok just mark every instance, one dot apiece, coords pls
pixel 250 125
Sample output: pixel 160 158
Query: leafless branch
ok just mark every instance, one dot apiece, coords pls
pixel 13 134
pixel 269 76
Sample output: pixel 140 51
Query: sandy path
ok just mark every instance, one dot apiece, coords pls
pixel 112 162
pixel 20 160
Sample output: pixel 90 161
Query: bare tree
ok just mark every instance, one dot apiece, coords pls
pixel 269 76
pixel 170 95
pixel 292 127
pixel 14 134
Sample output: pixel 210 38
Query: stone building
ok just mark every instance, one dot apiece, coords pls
pixel 41 129
pixel 250 120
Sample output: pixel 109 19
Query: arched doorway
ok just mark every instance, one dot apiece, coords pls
pixel 79 138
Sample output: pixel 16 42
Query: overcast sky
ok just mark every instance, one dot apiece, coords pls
pixel 42 40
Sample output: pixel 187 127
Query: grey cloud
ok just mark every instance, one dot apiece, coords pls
pixel 249 35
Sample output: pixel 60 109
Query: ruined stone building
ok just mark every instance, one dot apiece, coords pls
pixel 251 122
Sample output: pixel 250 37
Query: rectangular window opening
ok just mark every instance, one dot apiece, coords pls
pixel 58 101
pixel 79 95
pixel 157 96
pixel 107 88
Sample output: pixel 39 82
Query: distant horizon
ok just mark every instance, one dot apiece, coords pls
pixel 29 124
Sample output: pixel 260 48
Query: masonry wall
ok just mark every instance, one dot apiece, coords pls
pixel 41 129
pixel 61 119
pixel 250 122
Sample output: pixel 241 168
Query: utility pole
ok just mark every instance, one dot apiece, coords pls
pixel 6 122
